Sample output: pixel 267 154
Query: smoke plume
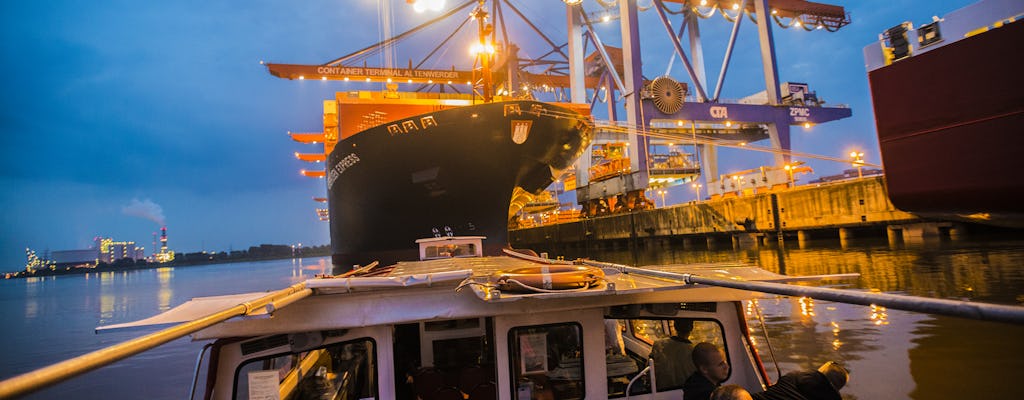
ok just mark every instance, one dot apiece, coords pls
pixel 145 209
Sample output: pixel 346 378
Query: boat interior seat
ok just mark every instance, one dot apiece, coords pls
pixel 451 377
pixel 483 391
pixel 447 393
pixel 427 382
pixel 471 377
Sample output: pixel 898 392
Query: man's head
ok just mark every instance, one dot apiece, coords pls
pixel 710 362
pixel 683 326
pixel 836 374
pixel 730 392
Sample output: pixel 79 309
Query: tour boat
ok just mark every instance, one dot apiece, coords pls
pixel 459 325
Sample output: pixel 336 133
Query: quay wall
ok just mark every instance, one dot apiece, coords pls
pixel 857 204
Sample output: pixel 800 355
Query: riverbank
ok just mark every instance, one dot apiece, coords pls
pixel 185 260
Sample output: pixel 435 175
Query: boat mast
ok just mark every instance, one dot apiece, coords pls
pixel 485 49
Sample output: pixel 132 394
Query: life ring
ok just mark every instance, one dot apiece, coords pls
pixel 549 277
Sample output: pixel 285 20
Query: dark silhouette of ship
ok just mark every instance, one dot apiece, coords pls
pixel 450 171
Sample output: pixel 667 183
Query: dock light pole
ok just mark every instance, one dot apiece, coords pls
pixel 789 170
pixel 858 161
pixel 662 194
pixel 696 187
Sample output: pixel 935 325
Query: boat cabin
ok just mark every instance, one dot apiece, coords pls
pixel 450 246
pixel 446 328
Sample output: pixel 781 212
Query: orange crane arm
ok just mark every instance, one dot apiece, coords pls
pixel 311 157
pixel 313 174
pixel 314 137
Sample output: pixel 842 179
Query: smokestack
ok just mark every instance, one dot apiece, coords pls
pixel 163 239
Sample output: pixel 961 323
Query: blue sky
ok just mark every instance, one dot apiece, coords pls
pixel 112 103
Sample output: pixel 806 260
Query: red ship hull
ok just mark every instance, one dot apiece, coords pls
pixel 951 126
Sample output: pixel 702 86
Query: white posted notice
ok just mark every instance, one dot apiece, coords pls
pixel 263 385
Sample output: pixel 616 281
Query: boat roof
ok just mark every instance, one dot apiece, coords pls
pixel 450 288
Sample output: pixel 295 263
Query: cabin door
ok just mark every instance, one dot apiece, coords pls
pixel 552 355
pixel 445 359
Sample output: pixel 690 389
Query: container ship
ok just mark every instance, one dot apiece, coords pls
pixel 406 165
pixel 949 108
pixel 437 168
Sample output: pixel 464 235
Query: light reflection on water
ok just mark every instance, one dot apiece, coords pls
pixel 303 268
pixel 892 354
pixel 164 276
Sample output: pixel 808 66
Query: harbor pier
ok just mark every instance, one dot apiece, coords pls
pixel 857 208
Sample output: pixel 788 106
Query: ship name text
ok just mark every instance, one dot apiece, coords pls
pixel 340 168
pixel 411 125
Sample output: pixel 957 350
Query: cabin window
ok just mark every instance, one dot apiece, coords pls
pixel 546 362
pixel 344 370
pixel 630 342
pixel 449 250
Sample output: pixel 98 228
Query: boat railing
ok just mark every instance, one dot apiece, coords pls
pixel 955 308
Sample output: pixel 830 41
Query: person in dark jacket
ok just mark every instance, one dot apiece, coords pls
pixel 822 384
pixel 712 370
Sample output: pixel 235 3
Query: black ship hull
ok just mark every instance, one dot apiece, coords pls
pixel 449 172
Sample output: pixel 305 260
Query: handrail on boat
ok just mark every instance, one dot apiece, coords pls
pixel 648 370
pixel 34 380
pixel 954 308
pixel 195 374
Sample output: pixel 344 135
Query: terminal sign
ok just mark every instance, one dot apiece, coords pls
pixel 343 72
pixel 719 112
pixel 800 114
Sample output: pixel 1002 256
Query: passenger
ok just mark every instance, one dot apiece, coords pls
pixel 673 356
pixel 822 384
pixel 731 392
pixel 712 369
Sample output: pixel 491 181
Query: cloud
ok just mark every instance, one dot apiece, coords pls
pixel 145 209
